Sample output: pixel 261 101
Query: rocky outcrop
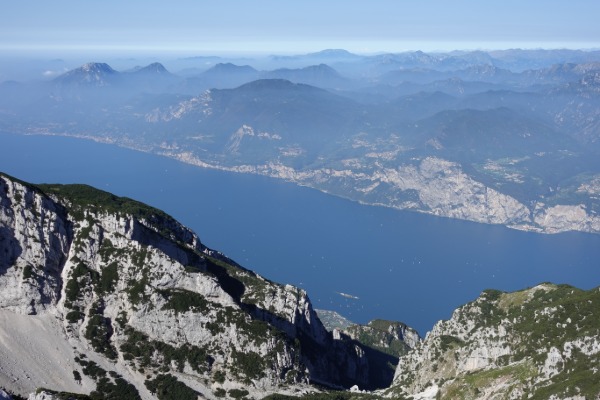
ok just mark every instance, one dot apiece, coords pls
pixel 383 341
pixel 34 240
pixel 444 189
pixel 332 320
pixel 562 218
pixel 139 300
pixel 392 337
pixel 432 185
pixel 542 342
pixel 440 187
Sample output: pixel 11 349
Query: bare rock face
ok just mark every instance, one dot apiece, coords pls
pixel 383 341
pixel 541 342
pixel 34 240
pixel 140 303
pixel 445 190
pixel 562 218
pixel 439 187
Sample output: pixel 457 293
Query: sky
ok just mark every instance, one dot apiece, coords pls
pixel 289 26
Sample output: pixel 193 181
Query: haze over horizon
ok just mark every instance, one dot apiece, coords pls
pixel 264 26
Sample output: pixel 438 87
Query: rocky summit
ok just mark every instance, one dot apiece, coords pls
pixel 108 296
pixel 539 343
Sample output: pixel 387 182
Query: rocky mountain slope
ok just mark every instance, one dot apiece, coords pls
pixel 109 297
pixel 383 341
pixel 106 295
pixel 539 343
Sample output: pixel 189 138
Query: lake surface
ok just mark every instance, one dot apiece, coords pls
pixel 397 265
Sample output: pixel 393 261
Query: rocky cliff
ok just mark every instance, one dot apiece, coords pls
pixel 383 342
pixel 431 185
pixel 539 343
pixel 107 295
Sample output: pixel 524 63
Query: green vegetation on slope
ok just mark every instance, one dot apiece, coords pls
pixel 144 353
pixel 109 385
pixel 88 197
pixel 534 321
pixel 167 387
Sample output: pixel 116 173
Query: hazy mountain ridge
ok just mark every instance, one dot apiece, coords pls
pixel 529 137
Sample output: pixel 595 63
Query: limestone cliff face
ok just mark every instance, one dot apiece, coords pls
pixel 137 294
pixel 383 341
pixel 543 342
pixel 34 238
pixel 562 218
pixel 445 190
pixel 434 186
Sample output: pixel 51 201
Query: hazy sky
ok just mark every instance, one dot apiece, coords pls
pixel 267 26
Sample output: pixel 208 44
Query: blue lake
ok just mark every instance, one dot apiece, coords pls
pixel 399 265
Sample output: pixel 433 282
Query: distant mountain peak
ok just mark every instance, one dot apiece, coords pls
pixel 97 67
pixel 321 66
pixel 321 75
pixel 333 52
pixel 273 84
pixel 230 67
pixel 333 55
pixel 154 68
pixel 91 73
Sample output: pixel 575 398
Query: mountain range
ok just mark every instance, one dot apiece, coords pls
pixel 505 137
pixel 106 297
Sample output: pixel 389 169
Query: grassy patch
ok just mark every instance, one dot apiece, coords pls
pixel 182 300
pixel 473 384
pixel 84 197
pixel 108 385
pixel 108 278
pixel 167 387
pixel 88 196
pixel 140 349
pixel 118 388
pixel 27 272
pixel 448 342
pixel 82 278
pixel 74 316
pixel 249 364
pixel 108 250
pixel 238 393
pixel 137 290
pixel 98 332
pixel 512 300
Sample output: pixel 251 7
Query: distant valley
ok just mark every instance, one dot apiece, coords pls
pixel 507 137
